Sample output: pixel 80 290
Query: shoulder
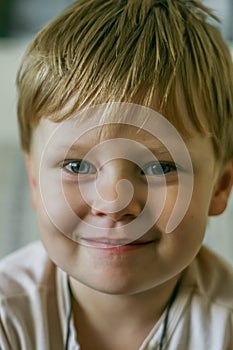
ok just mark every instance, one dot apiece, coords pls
pixel 25 270
pixel 29 300
pixel 211 278
pixel 206 320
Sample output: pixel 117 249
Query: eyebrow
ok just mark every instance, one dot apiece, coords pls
pixel 83 149
pixel 75 148
pixel 159 150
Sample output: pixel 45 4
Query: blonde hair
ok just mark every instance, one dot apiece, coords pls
pixel 98 51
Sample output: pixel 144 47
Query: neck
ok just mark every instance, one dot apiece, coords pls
pixel 103 313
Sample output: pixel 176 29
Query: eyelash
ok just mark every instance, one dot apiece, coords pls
pixel 151 169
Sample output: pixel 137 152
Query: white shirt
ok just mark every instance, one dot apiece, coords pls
pixel 35 304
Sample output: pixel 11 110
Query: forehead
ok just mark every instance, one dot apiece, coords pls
pixel 110 120
pixel 69 136
pixel 142 125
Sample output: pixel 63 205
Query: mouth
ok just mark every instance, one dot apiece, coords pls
pixel 116 244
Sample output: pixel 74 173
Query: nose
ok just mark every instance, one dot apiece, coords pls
pixel 119 193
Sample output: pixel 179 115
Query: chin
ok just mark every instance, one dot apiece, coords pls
pixel 115 288
pixel 115 283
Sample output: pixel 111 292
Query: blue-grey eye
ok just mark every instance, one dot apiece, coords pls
pixel 158 168
pixel 80 167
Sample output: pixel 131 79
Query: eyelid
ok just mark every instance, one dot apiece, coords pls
pixel 75 160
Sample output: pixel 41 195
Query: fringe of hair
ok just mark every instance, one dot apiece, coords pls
pixel 101 51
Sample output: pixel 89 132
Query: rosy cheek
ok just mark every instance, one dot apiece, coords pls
pixel 75 201
pixel 61 206
pixel 167 208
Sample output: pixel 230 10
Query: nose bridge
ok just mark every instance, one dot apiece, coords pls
pixel 112 174
pixel 116 186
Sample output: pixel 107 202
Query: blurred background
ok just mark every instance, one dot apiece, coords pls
pixel 19 21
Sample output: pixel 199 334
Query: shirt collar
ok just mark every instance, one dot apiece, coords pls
pixel 64 302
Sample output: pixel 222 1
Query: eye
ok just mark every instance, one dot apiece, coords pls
pixel 158 168
pixel 80 167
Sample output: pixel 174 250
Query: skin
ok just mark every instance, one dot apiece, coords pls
pixel 127 286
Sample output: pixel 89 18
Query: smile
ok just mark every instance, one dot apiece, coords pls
pixel 116 245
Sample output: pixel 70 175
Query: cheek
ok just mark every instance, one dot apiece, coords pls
pixel 183 243
pixel 187 208
pixel 74 200
pixel 60 209
pixel 167 208
pixel 56 226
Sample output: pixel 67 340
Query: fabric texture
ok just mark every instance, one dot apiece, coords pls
pixel 34 305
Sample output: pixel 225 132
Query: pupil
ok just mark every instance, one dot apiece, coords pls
pixel 79 167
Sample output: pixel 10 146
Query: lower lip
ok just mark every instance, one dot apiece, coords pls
pixel 117 249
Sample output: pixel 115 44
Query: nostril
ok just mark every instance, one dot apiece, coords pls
pixel 100 214
pixel 114 217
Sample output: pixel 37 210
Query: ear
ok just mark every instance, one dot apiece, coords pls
pixel 222 190
pixel 32 180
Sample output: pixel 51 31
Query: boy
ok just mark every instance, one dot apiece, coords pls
pixel 126 120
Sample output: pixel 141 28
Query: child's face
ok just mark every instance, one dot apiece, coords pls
pixel 84 210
